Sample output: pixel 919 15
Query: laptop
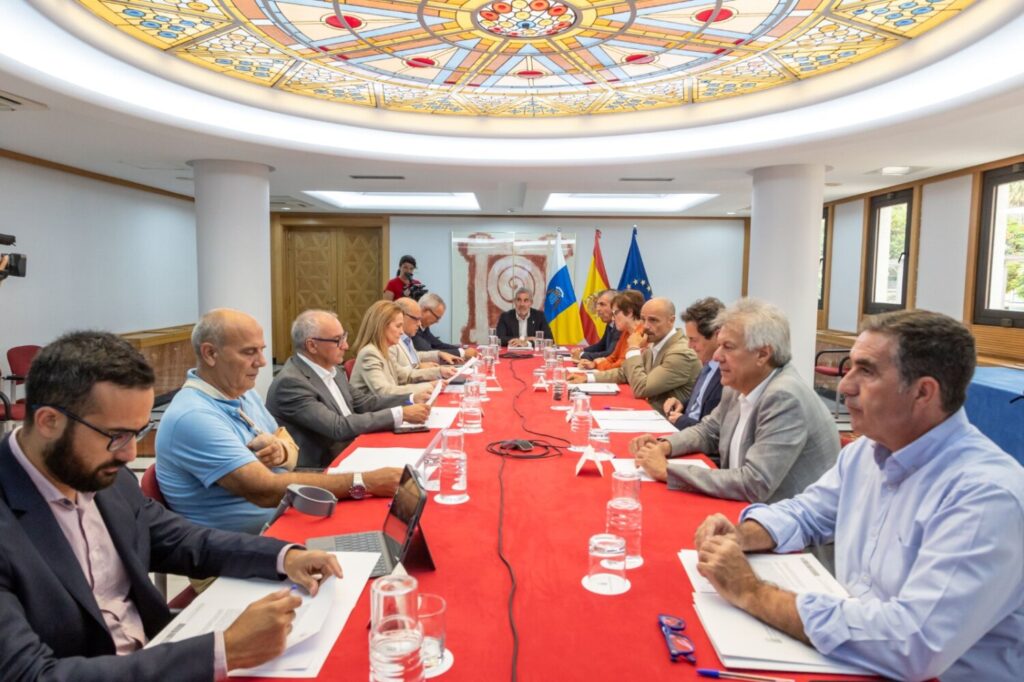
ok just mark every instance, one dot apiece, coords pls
pixel 400 528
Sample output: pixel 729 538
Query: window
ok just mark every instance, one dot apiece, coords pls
pixel 822 253
pixel 885 285
pixel 999 291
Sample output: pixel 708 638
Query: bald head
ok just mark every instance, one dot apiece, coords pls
pixel 229 350
pixel 658 317
pixel 411 315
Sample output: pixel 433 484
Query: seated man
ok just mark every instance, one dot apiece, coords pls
pixel 522 322
pixel 218 458
pixel 313 400
pixel 606 344
pixel 659 365
pixel 927 516
pixel 422 364
pixel 77 537
pixel 433 308
pixel 773 433
pixel 702 335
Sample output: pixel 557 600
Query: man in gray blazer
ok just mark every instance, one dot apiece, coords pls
pixel 773 433
pixel 311 397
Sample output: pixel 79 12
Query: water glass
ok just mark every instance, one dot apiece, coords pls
pixel 601 443
pixel 432 617
pixel 454 484
pixel 624 518
pixel 395 644
pixel 472 388
pixel 559 389
pixel 492 333
pixel 471 414
pixel 626 484
pixel 581 403
pixel 607 567
pixel 429 469
pixel 579 427
pixel 538 343
pixel 489 366
pixel 393 595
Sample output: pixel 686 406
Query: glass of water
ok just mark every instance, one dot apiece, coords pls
pixel 559 389
pixel 624 518
pixel 393 595
pixel 452 487
pixel 607 567
pixel 395 644
pixel 601 442
pixel 471 414
pixel 436 658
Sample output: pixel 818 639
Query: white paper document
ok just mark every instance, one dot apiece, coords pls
pixel 433 394
pixel 440 418
pixel 318 621
pixel 368 459
pixel 741 640
pixel 623 464
pixel 632 421
pixel 597 388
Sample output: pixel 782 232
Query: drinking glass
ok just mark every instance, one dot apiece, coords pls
pixel 624 518
pixel 579 428
pixel 601 442
pixel 626 484
pixel 430 469
pixel 395 644
pixel 393 595
pixel 453 478
pixel 489 366
pixel 472 388
pixel 436 658
pixel 607 566
pixel 559 389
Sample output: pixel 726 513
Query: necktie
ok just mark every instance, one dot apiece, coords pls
pixel 693 405
pixel 411 350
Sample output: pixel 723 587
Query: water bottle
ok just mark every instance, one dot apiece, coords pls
pixel 395 644
pixel 624 517
pixel 579 426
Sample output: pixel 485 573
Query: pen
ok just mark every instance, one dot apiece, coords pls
pixel 623 409
pixel 725 675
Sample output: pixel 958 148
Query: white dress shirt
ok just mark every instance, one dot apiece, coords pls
pixel 523 321
pixel 327 376
pixel 747 403
pixel 633 352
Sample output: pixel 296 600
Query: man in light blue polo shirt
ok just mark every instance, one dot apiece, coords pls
pixel 927 515
pixel 219 461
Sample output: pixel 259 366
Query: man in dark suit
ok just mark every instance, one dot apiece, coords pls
pixel 433 307
pixel 77 537
pixel 522 322
pixel 313 400
pixel 702 335
pixel 606 344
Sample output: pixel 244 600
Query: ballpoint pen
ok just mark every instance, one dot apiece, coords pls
pixel 726 675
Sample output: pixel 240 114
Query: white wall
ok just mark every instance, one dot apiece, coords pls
pixel 942 258
pixel 100 256
pixel 685 259
pixel 844 285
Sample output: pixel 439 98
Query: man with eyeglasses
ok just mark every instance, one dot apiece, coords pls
pixel 659 363
pixel 219 451
pixel 433 308
pixel 77 537
pixel 423 364
pixel 311 396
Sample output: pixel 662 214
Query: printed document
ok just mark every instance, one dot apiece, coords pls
pixel 622 464
pixel 632 421
pixel 368 459
pixel 440 418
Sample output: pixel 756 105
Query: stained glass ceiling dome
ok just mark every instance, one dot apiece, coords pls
pixel 524 58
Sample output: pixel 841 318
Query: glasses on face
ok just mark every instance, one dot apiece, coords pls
pixel 679 645
pixel 336 340
pixel 412 317
pixel 118 439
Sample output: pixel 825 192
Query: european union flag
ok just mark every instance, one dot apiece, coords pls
pixel 634 274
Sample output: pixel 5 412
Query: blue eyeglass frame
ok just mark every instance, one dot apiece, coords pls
pixel 680 646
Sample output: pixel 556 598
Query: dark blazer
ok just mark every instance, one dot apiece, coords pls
pixel 508 325
pixel 50 625
pixel 301 403
pixel 712 396
pixel 425 340
pixel 604 347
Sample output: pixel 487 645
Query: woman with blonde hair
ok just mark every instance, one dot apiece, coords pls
pixel 625 316
pixel 374 372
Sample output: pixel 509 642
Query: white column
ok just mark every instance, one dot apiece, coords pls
pixel 233 242
pixel 784 232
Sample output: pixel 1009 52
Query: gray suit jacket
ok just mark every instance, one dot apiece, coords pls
pixel 301 403
pixel 670 375
pixel 790 441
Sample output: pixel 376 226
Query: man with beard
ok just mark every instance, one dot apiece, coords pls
pixel 77 537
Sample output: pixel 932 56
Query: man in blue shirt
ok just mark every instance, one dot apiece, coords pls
pixel 702 335
pixel 219 461
pixel 927 515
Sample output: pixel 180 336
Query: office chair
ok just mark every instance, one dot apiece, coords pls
pixel 835 371
pixel 19 359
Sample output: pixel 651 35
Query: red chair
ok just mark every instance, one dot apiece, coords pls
pixel 150 486
pixel 19 359
pixel 835 371
pixel 349 364
pixel 10 413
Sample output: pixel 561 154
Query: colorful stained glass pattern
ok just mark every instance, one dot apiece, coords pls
pixel 524 58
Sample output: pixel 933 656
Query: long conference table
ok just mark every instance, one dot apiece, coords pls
pixel 565 632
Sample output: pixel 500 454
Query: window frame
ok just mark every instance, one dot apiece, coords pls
pixel 875 205
pixel 823 257
pixel 982 314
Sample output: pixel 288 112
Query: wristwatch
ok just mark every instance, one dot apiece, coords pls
pixel 358 490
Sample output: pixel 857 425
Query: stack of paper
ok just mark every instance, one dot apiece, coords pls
pixel 632 421
pixel 440 418
pixel 368 459
pixel 597 388
pixel 313 632
pixel 622 464
pixel 742 641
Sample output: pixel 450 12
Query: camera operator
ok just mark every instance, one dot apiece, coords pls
pixel 403 285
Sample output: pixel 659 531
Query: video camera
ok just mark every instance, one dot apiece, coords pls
pixel 16 262
pixel 416 291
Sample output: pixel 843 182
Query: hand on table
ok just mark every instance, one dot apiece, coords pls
pixel 653 459
pixel 518 343
pixel 577 378
pixel 308 568
pixel 382 482
pixel 723 563
pixel 673 409
pixel 468 353
pixel 712 526
pixel 268 449
pixel 448 372
pixel 576 352
pixel 449 359
pixel 640 442
pixel 586 364
pixel 259 634
pixel 416 414
pixel 421 397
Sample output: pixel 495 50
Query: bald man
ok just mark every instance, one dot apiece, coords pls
pixel 221 461
pixel 659 363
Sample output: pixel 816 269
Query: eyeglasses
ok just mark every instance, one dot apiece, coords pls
pixel 336 340
pixel 118 439
pixel 679 645
pixel 412 317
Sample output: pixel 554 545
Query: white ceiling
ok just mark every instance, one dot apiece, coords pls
pixel 982 127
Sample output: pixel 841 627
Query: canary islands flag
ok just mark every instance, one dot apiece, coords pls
pixel 634 274
pixel 560 301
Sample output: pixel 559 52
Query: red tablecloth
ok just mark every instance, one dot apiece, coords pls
pixel 565 632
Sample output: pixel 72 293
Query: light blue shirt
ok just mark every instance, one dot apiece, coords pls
pixel 929 544
pixel 706 373
pixel 200 440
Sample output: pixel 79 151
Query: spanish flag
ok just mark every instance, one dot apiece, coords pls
pixel 597 281
pixel 560 300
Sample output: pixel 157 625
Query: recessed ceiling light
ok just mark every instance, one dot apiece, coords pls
pixel 730 213
pixel 405 201
pixel 624 203
pixel 895 170
pixel 286 208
